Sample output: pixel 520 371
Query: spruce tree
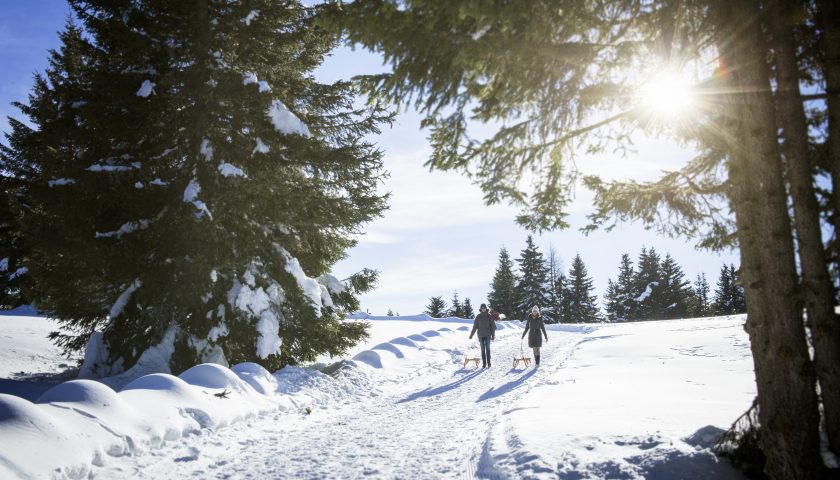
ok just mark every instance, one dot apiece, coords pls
pixel 724 302
pixel 739 304
pixel 533 278
pixel 553 310
pixel 436 307
pixel 468 308
pixel 648 286
pixel 675 291
pixel 456 310
pixel 502 295
pixel 701 296
pixel 187 175
pixel 12 248
pixel 612 303
pixel 583 307
pixel 390 313
pixel 620 300
pixel 562 286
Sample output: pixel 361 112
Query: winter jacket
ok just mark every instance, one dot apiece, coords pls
pixel 485 325
pixel 532 327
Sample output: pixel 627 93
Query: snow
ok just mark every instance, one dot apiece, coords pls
pixel 253 14
pixel 4 264
pixel 112 168
pixel 60 182
pixel 317 294
pixel 127 227
pixel 648 290
pixel 122 300
pixel 229 170
pixel 251 77
pixel 257 301
pixel 29 361
pixel 191 196
pixel 260 148
pixel 146 89
pixel 153 360
pixel 206 149
pixel 285 121
pixel 17 273
pixel 630 400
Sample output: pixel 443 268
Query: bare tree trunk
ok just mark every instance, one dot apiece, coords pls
pixel 816 284
pixel 829 19
pixel 784 375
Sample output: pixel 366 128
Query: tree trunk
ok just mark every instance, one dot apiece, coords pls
pixel 829 19
pixel 816 284
pixel 784 375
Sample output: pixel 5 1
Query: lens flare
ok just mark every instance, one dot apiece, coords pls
pixel 667 95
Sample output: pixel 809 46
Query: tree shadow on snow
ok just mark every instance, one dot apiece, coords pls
pixel 431 392
pixel 506 388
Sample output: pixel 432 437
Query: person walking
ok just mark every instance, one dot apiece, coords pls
pixel 486 328
pixel 534 324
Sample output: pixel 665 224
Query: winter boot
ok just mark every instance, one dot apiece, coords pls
pixel 537 358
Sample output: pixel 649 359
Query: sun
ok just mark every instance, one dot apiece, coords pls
pixel 667 95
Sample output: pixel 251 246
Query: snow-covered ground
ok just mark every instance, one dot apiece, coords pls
pixel 639 400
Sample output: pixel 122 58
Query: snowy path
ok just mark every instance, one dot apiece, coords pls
pixel 432 423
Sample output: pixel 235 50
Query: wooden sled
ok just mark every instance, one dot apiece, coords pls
pixel 525 360
pixel 471 359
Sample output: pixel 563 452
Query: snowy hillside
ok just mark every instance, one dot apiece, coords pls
pixel 620 401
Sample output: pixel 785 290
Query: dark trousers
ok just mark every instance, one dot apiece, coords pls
pixel 485 350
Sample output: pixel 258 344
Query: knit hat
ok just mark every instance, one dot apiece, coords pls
pixel 483 306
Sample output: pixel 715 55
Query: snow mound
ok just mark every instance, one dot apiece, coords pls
pixel 211 375
pixel 257 377
pixel 86 392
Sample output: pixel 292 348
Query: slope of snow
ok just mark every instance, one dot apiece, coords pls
pixel 635 400
pixel 30 364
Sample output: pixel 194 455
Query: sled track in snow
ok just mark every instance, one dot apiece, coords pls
pixel 434 423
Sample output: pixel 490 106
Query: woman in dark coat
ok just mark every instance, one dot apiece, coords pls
pixel 534 324
pixel 486 328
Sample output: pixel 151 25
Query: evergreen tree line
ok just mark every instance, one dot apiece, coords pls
pixel 658 289
pixel 438 308
pixel 654 289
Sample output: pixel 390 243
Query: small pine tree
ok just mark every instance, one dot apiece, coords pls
pixel 390 313
pixel 502 296
pixel 701 296
pixel 562 287
pixel 613 305
pixel 739 302
pixel 468 308
pixel 553 311
pixel 620 301
pixel 531 288
pixel 456 310
pixel 729 294
pixel 647 287
pixel 583 306
pixel 675 291
pixel 436 307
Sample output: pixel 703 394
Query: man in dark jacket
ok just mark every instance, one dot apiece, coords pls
pixel 486 328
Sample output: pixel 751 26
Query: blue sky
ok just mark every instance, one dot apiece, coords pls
pixel 437 237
